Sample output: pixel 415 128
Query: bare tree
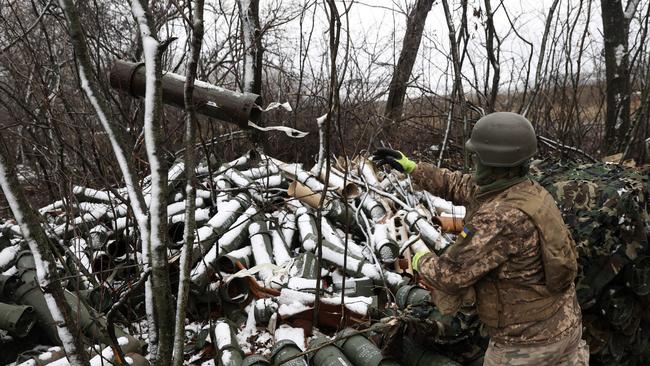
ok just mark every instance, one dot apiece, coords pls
pixel 410 46
pixel 332 99
pixel 196 26
pixel 542 53
pixel 253 52
pixel 46 272
pixel 90 86
pixel 493 52
pixel 151 223
pixel 458 95
pixel 161 290
pixel 616 29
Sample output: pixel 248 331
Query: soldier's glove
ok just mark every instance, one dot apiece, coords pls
pixel 395 159
pixel 416 259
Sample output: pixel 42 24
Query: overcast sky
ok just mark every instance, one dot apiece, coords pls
pixel 381 24
pixel 377 27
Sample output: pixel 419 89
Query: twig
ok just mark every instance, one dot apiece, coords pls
pixel 334 34
pixel 31 27
pixel 239 134
pixel 444 140
pixel 196 24
pixel 384 194
pixel 110 328
pixel 567 147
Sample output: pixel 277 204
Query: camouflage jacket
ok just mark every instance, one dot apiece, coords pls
pixel 499 243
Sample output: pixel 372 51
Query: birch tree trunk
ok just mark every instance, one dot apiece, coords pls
pixel 39 244
pixel 160 286
pixel 190 162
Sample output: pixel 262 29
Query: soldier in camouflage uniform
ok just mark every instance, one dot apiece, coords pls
pixel 515 251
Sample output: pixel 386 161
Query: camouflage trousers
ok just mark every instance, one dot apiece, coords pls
pixel 571 350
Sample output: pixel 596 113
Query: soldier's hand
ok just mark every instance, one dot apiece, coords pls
pixel 395 159
pixel 416 259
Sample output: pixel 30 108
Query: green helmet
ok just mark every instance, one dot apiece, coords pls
pixel 503 139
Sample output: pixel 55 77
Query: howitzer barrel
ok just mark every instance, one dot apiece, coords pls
pixel 210 100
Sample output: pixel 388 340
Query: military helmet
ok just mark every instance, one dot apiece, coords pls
pixel 503 139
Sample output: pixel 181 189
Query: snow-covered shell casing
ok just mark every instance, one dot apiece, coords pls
pixel 211 100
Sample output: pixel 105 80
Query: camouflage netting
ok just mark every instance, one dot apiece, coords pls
pixel 606 207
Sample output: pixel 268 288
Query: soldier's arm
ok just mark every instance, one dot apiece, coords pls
pixel 452 186
pixel 489 240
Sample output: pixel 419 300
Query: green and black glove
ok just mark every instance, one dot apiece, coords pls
pixel 395 159
pixel 415 262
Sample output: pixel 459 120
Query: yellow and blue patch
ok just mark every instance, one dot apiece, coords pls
pixel 466 232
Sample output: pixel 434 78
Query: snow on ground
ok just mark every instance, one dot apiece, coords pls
pixel 297 335
pixel 289 298
pixel 8 254
pixel 253 340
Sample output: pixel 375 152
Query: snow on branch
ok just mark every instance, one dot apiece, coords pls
pixel 630 8
pixel 249 43
pixel 89 86
pixel 44 263
pixel 158 302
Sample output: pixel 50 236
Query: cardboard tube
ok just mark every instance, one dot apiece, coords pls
pixel 304 194
pixel 449 224
pixel 348 190
pixel 367 170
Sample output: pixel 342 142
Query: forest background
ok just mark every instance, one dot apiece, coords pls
pixel 578 69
